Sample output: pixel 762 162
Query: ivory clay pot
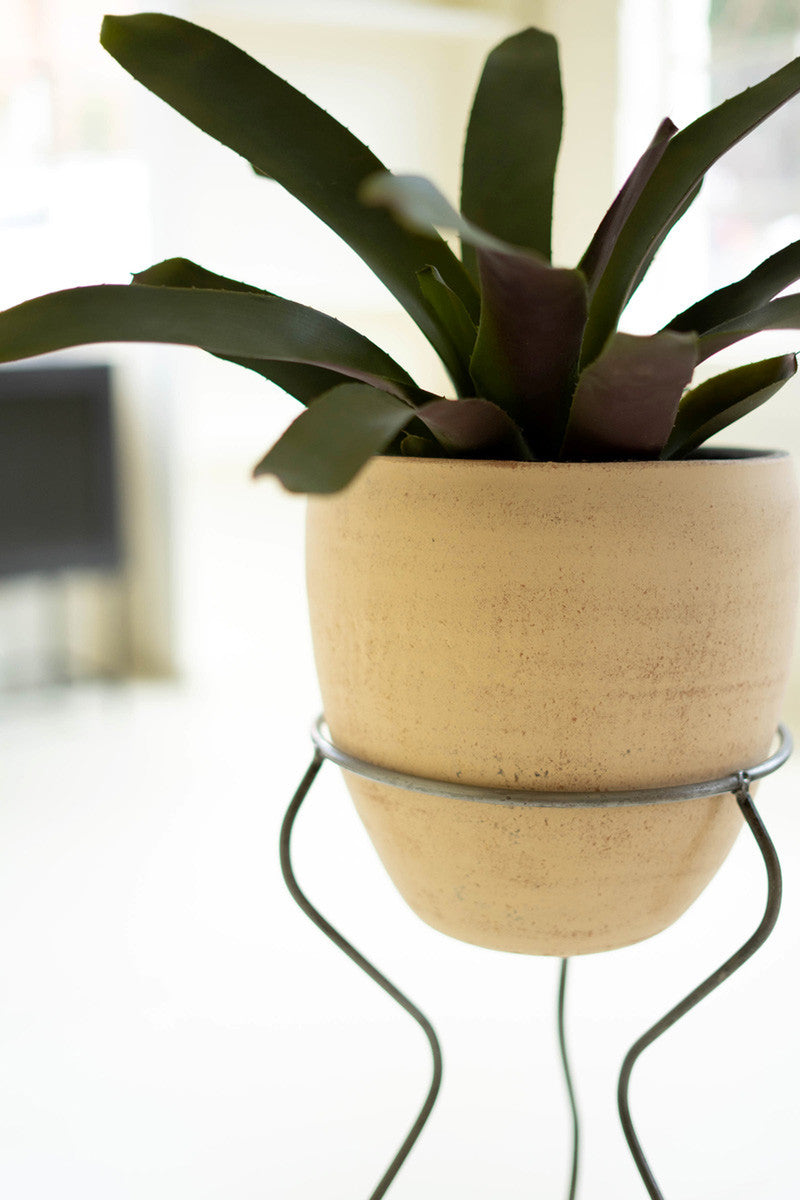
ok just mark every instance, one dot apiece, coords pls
pixel 562 627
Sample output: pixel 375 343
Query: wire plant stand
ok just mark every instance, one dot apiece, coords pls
pixel 737 783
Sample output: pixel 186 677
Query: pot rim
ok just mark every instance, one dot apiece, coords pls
pixel 713 455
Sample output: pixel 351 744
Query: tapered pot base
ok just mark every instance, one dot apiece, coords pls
pixel 545 881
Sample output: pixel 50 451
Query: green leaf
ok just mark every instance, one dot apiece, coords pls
pixel 225 323
pixel 419 206
pixel 414 446
pixel 656 244
pixel 718 402
pixel 626 400
pixel 772 276
pixel 329 443
pixel 783 313
pixel 460 327
pixel 182 272
pixel 683 165
pixel 599 250
pixel 248 108
pixel 303 382
pixel 512 143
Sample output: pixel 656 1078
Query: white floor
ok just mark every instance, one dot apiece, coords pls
pixel 171 1026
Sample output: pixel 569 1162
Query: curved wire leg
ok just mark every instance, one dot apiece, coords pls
pixel 368 968
pixel 562 1045
pixel 752 944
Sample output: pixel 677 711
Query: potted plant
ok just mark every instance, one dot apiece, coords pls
pixel 540 581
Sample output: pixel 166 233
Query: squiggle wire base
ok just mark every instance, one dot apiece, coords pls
pixel 738 784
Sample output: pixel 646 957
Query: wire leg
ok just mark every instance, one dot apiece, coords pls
pixel 752 944
pixel 368 968
pixel 562 1043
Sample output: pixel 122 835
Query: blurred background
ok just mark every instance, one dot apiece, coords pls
pixel 169 1025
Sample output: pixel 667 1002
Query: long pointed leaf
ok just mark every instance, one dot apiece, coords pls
pixel 626 401
pixel 303 382
pixel 224 323
pixel 284 135
pixel 414 446
pixel 656 244
pixel 772 276
pixel 329 443
pixel 683 165
pixel 512 143
pixel 454 318
pixel 718 402
pixel 598 252
pixel 182 272
pixel 783 313
pixel 420 207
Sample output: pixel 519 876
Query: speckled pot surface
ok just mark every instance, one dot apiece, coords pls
pixel 563 626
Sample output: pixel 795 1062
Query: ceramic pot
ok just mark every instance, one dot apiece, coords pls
pixel 554 626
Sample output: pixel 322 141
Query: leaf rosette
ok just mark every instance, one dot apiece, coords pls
pixel 539 367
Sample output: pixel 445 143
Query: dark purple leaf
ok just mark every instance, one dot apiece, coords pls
pixel 529 337
pixel 599 250
pixel 626 400
pixel 475 428
pixel 532 314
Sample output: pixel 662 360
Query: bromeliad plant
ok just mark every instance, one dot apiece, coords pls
pixel 539 368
